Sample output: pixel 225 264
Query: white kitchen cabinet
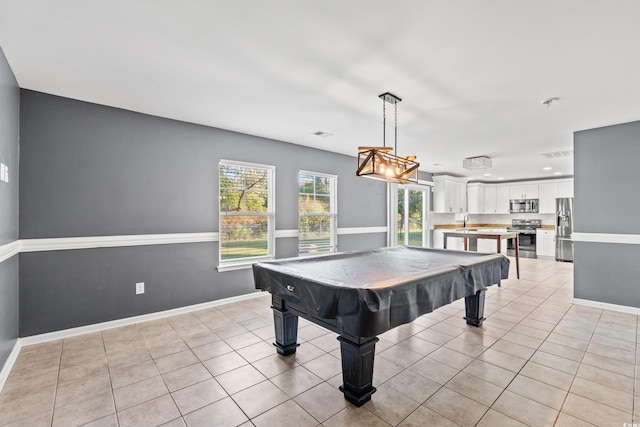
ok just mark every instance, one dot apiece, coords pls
pixel 461 196
pixel 548 192
pixel 476 198
pixel 487 245
pixel 565 188
pixel 502 199
pixel 490 199
pixel 523 191
pixel 482 199
pixel 545 243
pixel 438 239
pixel 456 243
pixel 449 194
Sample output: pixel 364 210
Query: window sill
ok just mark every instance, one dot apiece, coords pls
pixel 240 265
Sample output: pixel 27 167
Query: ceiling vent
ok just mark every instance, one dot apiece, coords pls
pixel 473 163
pixel 322 134
pixel 557 154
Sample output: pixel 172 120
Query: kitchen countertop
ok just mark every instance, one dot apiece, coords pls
pixel 457 227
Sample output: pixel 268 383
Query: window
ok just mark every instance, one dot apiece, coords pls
pixel 246 212
pixel 317 213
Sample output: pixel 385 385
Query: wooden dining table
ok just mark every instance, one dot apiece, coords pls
pixel 493 235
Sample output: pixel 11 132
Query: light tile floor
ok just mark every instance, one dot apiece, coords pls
pixel 538 361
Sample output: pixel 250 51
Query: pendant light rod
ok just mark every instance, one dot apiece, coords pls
pixel 395 130
pixel 384 122
pixel 391 99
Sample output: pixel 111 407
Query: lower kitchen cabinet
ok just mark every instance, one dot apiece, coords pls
pixel 546 243
pixel 452 243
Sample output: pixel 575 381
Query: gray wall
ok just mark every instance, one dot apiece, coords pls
pixel 91 170
pixel 9 149
pixel 605 164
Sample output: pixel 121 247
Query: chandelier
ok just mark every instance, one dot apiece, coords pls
pixel 379 163
pixel 473 163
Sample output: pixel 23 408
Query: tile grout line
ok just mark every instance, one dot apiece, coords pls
pixel 113 396
pixel 55 394
pixel 635 378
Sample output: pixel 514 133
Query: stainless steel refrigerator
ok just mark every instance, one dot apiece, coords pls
pixel 564 228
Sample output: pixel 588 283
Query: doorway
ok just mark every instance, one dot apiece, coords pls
pixel 409 215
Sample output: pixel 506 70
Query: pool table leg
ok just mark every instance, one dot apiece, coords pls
pixel 474 306
pixel 286 328
pixel 357 368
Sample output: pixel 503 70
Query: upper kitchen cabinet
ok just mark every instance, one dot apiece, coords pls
pixel 565 188
pixel 502 199
pixel 523 191
pixel 548 193
pixel 449 194
pixel 482 199
pixel 490 199
pixel 485 198
pixel 476 198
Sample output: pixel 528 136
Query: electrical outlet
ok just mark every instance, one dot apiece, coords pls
pixel 139 288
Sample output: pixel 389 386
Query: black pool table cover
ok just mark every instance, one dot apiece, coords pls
pixel 366 293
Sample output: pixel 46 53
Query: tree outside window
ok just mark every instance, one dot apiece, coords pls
pixel 410 218
pixel 317 213
pixel 246 211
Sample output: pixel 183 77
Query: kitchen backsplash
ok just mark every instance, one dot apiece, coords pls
pixel 446 218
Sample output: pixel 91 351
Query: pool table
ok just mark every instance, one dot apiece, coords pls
pixel 362 294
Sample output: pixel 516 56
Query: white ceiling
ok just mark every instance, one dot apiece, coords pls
pixel 472 74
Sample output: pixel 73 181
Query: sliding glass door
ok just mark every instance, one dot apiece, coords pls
pixel 411 220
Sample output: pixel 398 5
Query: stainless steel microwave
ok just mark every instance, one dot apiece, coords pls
pixel 523 205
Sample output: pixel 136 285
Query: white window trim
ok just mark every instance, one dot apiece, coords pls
pixel 242 263
pixel 333 207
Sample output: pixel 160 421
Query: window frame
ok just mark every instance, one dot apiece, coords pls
pixel 246 262
pixel 333 211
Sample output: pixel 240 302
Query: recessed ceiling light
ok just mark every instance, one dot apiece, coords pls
pixel 547 168
pixel 436 164
pixel 557 173
pixel 487 174
pixel 501 178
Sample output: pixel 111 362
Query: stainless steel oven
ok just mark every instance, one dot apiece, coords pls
pixel 526 229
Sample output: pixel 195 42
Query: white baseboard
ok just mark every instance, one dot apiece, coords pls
pixel 96 327
pixel 8 364
pixel 607 306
